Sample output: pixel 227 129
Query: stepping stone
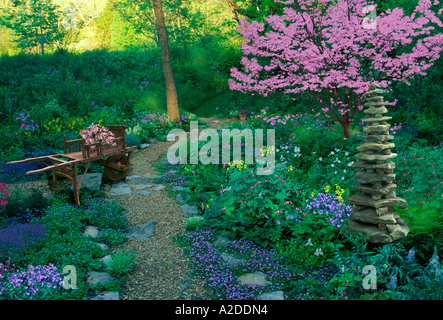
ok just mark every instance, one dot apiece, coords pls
pixel 143 186
pixel 132 177
pixel 256 278
pixel 179 198
pixel 103 246
pixel 91 181
pixel 120 191
pixel 145 192
pixel 92 231
pixel 107 296
pixel 106 259
pixel 144 145
pixel 141 231
pixel 151 176
pixel 221 241
pixel 120 184
pixel 159 187
pixel 231 260
pixel 188 209
pixel 276 295
pixel 96 277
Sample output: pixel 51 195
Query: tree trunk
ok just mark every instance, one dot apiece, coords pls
pixel 346 125
pixel 171 92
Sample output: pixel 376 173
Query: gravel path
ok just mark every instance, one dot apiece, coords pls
pixel 161 268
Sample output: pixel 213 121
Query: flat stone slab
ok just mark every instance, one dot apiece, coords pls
pixel 132 177
pixel 362 200
pixel 143 186
pixel 91 181
pixel 144 192
pixel 92 231
pixel 231 260
pixel 276 295
pixel 141 231
pixel 103 246
pixel 96 277
pixel 106 259
pixel 256 278
pixel 188 209
pixel 107 296
pixel 144 145
pixel 151 176
pixel 120 191
pixel 401 229
pixel 159 187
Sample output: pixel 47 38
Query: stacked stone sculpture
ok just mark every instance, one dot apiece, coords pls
pixel 373 212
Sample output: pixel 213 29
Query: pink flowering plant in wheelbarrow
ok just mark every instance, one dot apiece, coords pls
pixel 97 133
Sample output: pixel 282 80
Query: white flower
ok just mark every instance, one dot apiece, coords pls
pixel 318 252
pixel 344 171
pixel 309 243
pixel 346 153
pixel 350 163
pixel 332 165
pixel 320 159
pixel 335 172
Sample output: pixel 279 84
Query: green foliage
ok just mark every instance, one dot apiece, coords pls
pixel 121 263
pixel 113 237
pixel 35 23
pixel 193 223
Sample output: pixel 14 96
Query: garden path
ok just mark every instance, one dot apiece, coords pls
pixel 161 267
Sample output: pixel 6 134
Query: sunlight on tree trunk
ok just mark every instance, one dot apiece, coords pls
pixel 171 92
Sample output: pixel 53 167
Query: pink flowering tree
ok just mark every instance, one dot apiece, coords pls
pixel 331 50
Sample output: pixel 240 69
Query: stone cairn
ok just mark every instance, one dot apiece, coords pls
pixel 373 212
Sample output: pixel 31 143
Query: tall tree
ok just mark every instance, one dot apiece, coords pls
pixel 332 50
pixel 34 22
pixel 171 92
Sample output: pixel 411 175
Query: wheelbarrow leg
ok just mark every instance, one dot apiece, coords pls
pixel 54 179
pixel 76 185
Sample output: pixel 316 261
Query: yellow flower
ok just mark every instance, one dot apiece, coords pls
pixel 312 194
pixel 326 189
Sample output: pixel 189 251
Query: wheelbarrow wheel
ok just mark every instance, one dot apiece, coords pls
pixel 117 167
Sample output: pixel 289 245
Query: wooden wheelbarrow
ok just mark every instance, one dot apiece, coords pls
pixel 114 158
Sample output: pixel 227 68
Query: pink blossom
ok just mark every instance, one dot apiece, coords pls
pixel 331 50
